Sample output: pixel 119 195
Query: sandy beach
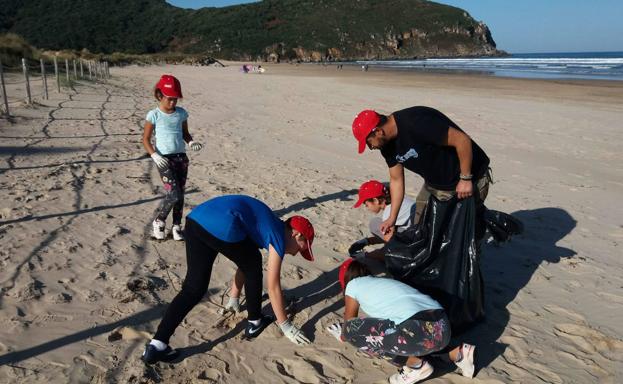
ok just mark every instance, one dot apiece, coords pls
pixel 83 286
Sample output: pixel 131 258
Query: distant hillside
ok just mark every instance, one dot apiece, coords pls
pixel 308 30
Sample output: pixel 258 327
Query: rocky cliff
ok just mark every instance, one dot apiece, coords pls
pixel 272 30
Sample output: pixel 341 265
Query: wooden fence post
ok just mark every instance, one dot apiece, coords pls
pixel 90 71
pixel 58 80
pixel 6 101
pixel 44 79
pixel 67 72
pixel 81 70
pixel 25 68
pixel 75 72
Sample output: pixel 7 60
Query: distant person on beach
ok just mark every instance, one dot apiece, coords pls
pixel 400 322
pixel 375 196
pixel 236 226
pixel 169 123
pixel 425 141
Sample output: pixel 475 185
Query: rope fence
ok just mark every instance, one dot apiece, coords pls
pixel 64 73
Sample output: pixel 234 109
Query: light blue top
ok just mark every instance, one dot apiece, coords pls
pixel 168 129
pixel 385 298
pixel 232 218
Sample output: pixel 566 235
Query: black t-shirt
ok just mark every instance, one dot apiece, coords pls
pixel 418 147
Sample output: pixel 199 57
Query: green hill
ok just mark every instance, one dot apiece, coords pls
pixel 269 30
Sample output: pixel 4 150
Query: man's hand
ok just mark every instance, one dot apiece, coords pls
pixel 388 226
pixel 160 161
pixel 464 189
pixel 336 331
pixel 294 334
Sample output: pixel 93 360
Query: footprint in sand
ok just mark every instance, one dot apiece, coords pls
pixel 564 312
pixel 297 370
pixel 332 364
pixel 591 341
pixel 517 357
pixel 216 371
pixel 609 297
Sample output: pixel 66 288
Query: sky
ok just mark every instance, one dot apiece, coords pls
pixel 528 26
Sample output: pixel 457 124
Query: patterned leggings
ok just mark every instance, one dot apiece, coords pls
pixel 174 179
pixel 412 337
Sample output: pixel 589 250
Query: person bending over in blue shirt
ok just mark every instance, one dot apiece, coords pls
pixel 401 322
pixel 236 226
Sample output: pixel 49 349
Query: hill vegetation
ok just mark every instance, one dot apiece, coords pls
pixel 308 30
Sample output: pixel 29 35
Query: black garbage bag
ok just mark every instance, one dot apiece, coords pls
pixel 438 257
pixel 502 226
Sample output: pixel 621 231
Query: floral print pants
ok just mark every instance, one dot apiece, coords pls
pixel 174 180
pixel 412 337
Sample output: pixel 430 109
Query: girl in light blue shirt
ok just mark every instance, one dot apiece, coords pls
pixel 169 124
pixel 401 321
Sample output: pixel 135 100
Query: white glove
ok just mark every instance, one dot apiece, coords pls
pixel 195 146
pixel 233 305
pixel 336 331
pixel 357 246
pixel 160 161
pixel 293 333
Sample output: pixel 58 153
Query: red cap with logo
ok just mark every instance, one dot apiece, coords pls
pixel 363 124
pixel 170 86
pixel 370 190
pixel 305 228
pixel 342 272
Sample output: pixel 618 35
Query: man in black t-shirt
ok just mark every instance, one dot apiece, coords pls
pixel 425 141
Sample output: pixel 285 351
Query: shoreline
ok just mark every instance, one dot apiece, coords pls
pixel 584 91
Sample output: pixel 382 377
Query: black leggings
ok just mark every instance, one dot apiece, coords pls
pixel 201 251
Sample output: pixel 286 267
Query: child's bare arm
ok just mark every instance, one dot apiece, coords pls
pixel 147 131
pixel 195 146
pixel 187 137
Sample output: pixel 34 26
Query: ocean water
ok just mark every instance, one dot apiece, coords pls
pixel 572 65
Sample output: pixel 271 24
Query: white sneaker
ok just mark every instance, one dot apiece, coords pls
pixel 466 365
pixel 158 232
pixel 178 235
pixel 409 375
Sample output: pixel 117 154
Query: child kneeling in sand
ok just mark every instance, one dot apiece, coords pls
pixel 404 322
pixel 376 198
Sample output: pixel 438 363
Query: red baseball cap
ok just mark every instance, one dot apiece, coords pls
pixel 170 86
pixel 363 124
pixel 342 272
pixel 306 229
pixel 369 190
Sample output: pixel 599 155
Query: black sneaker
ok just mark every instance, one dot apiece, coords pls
pixel 152 355
pixel 253 331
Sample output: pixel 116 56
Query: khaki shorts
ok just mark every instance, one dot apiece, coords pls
pixel 421 201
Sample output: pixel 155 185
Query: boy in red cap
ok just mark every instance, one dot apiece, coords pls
pixel 425 141
pixel 404 323
pixel 170 125
pixel 236 226
pixel 375 196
